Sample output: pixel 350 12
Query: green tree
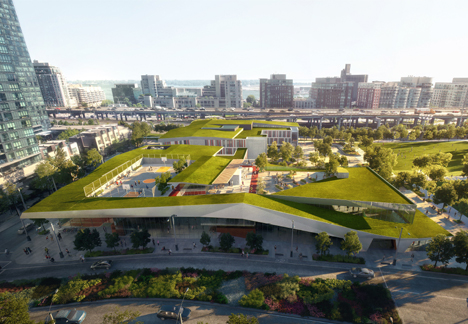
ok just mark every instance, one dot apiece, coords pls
pixel 298 153
pixel 205 239
pixel 140 238
pixel 323 148
pixel 261 161
pixel 112 240
pixel 251 99
pixel 93 157
pixel 254 241
pixel 382 160
pixel 86 239
pixel 442 159
pixel 462 207
pixel 226 241
pixel 331 167
pixel 445 194
pixel 460 247
pixel 351 243
pixel 322 243
pixel 66 134
pixel 121 317
pixel 241 319
pixel 286 151
pixel 422 162
pixel 14 309
pixel 440 249
pixel 343 160
pixel 39 222
pixel 254 299
pixel 436 172
pixel 367 141
pixel 179 165
pixel 314 158
pixel 273 152
pixel 90 121
pixel 139 131
pixel 465 170
pixel 418 179
pixel 106 103
pixel 84 104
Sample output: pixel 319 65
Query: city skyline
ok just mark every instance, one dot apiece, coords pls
pixel 117 41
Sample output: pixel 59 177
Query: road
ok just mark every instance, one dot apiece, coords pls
pixel 421 297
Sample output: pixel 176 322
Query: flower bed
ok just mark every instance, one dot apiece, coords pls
pixel 118 252
pixel 443 269
pixel 210 248
pixel 339 258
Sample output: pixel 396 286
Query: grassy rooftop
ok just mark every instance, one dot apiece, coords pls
pixel 422 227
pixel 361 185
pixel 407 152
pixel 257 131
pixel 203 171
pixel 195 129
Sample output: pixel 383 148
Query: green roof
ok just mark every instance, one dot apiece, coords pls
pixel 195 129
pixel 257 132
pixel 407 152
pixel 203 171
pixel 362 185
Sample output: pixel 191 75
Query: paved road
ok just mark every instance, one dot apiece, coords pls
pixel 201 312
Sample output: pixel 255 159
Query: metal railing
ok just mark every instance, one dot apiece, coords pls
pixel 111 175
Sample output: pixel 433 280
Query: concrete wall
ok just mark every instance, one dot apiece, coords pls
pixel 256 146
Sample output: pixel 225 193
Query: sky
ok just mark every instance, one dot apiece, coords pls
pixel 196 39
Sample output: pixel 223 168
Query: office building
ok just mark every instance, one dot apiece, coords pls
pixel 22 107
pixel 225 91
pixel 126 93
pixel 368 95
pixel 304 103
pixel 451 94
pixel 276 92
pixel 53 85
pixel 423 83
pixel 337 92
pixel 90 95
pixel 150 84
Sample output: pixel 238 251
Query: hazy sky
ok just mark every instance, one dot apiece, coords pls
pixel 196 39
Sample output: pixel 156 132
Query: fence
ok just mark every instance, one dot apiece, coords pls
pixel 96 185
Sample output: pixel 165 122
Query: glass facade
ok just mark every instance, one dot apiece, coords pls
pixel 22 109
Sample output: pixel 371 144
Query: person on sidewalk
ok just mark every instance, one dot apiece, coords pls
pixel 194 245
pixel 242 255
pixel 51 238
pixel 29 250
pixel 170 251
pixel 68 252
pixel 247 255
pixel 25 252
pixel 158 242
pixel 153 242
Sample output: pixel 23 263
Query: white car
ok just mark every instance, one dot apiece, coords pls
pixel 28 226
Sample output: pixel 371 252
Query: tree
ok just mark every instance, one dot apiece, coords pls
pixel 286 151
pixel 66 134
pixel 331 166
pixel 90 121
pixel 418 179
pixel 323 242
pixel 261 161
pixel 86 239
pixel 462 207
pixel 254 299
pixel 121 317
pixel 422 162
pixel 381 159
pixel 465 170
pixel 241 319
pixel 442 159
pixel 84 104
pixel 351 243
pixel 139 131
pixel 205 239
pixel 14 310
pixel 260 186
pixel 226 241
pixel 179 165
pixel 461 187
pixel 251 99
pixel 343 160
pixel 366 141
pixel 93 157
pixel 106 103
pixel 460 247
pixel 273 152
pixel 440 249
pixel 445 194
pixel 254 241
pixel 436 172
pixel 112 240
pixel 140 238
pixel 39 222
pixel 323 148
pixel 314 158
pixel 298 153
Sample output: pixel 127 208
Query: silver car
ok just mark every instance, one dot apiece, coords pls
pixel 362 272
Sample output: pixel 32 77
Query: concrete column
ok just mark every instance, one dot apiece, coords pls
pixel 55 116
pixel 397 121
pixel 340 119
pixel 126 119
pixel 416 119
pixel 447 121
pixel 432 121
pixel 378 122
pixel 367 122
pixel 121 116
pixel 321 120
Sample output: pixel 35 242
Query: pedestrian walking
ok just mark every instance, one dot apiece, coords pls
pixel 29 250
pixel 46 250
pixel 297 248
pixel 158 242
pixel 194 245
pixel 25 252
pixel 68 252
pixel 59 236
pixel 51 238
pixel 242 255
pixel 427 211
pixel 153 242
pixel 412 257
pixel 125 242
pixel 170 251
pixel 138 182
pixel 275 248
pixel 247 255
pixel 47 238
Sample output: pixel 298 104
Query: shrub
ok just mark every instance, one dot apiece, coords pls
pixel 254 299
pixel 46 287
pixel 314 311
pixel 288 286
pixel 335 314
pixel 226 241
pixel 220 299
pixel 316 293
pixel 118 284
pixel 71 291
pixel 339 258
pixel 271 291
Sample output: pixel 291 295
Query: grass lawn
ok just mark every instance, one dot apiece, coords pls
pixel 406 156
pixel 257 131
pixel 361 185
pixel 202 171
pixel 195 128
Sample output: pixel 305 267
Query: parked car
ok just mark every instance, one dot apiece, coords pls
pixel 362 272
pixel 28 227
pixel 290 109
pixel 67 316
pixel 271 110
pixel 171 312
pixel 102 264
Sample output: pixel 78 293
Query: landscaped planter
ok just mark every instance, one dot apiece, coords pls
pixel 234 250
pixel 118 252
pixel 443 269
pixel 339 258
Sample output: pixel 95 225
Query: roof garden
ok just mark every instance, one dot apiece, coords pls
pixel 362 185
pixel 203 171
pixel 214 128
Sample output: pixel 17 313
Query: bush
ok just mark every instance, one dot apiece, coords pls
pixel 71 291
pixel 118 284
pixel 288 286
pixel 46 287
pixel 442 269
pixel 220 299
pixel 254 299
pixel 339 258
pixel 316 293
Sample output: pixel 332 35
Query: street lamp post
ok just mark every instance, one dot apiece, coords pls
pixel 179 315
pixel 173 225
pixel 292 235
pixel 22 223
pixel 56 239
